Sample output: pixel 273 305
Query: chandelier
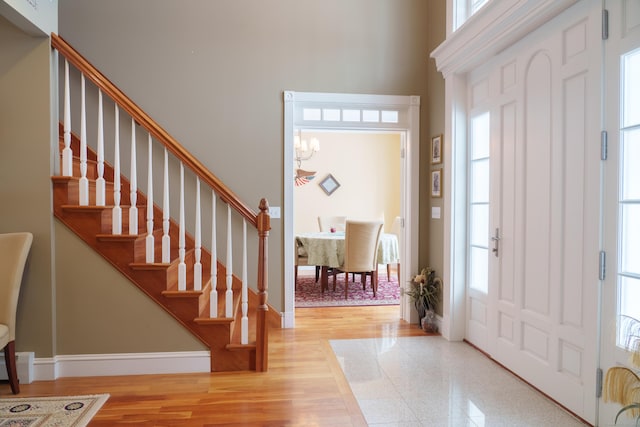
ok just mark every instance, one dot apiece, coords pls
pixel 304 149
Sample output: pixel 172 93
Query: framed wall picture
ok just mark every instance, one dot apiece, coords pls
pixel 436 149
pixel 436 183
pixel 329 184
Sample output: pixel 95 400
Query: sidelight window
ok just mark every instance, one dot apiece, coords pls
pixel 629 190
pixel 479 203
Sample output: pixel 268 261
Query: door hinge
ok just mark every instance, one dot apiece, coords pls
pixel 598 383
pixel 402 153
pixel 605 24
pixel 602 270
pixel 604 145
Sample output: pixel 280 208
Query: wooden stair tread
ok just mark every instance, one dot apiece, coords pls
pixel 118 237
pixel 241 347
pixel 212 321
pixel 189 293
pixel 149 266
pixel 87 208
pixel 80 207
pixel 60 178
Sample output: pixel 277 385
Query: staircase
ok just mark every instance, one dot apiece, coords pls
pixel 167 263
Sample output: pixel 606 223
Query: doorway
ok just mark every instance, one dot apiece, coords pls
pixel 353 112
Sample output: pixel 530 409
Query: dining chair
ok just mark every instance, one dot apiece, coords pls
pixel 14 249
pixel 395 229
pixel 302 258
pixel 361 240
pixel 327 222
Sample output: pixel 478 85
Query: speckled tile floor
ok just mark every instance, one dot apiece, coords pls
pixel 429 381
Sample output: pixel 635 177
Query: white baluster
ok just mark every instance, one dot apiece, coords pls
pixel 229 293
pixel 100 183
pixel 182 267
pixel 213 296
pixel 116 212
pixel 133 185
pixel 67 154
pixel 244 324
pixel 166 240
pixel 149 241
pixel 197 266
pixel 83 187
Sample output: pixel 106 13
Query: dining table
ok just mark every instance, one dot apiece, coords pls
pixel 326 249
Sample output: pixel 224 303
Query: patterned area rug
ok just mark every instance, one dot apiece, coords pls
pixel 64 411
pixel 308 292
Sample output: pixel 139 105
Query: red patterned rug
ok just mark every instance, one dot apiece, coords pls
pixel 308 293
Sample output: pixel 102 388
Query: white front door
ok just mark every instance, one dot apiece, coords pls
pixel 538 315
pixel 621 204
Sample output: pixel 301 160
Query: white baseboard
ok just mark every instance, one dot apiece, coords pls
pixel 24 366
pixel 89 365
pixel 288 319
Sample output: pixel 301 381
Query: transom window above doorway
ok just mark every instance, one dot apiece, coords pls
pixel 350 115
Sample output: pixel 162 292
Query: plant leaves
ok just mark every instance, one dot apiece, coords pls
pixel 626 408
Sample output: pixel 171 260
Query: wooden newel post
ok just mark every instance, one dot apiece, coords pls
pixel 262 336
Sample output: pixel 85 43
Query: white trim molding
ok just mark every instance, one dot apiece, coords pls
pixel 97 365
pixel 24 367
pixel 496 26
pixel 407 124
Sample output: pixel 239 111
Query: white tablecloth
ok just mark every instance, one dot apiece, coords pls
pixel 327 249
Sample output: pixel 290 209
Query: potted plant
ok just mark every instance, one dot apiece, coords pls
pixel 425 295
pixel 622 384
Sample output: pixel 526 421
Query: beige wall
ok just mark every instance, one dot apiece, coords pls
pixel 213 74
pixel 432 230
pixel 25 185
pixel 109 313
pixel 366 165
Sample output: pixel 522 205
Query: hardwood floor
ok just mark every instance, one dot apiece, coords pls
pixel 304 384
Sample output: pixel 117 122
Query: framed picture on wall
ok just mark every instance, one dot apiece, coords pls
pixel 436 149
pixel 329 184
pixel 436 183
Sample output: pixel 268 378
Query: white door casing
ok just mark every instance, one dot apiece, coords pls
pixel 623 38
pixel 407 124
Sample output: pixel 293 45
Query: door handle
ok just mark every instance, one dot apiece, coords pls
pixel 496 242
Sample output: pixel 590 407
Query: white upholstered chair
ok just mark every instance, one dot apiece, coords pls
pixel 14 249
pixel 326 222
pixel 361 239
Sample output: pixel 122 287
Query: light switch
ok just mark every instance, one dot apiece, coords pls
pixel 435 212
pixel 274 212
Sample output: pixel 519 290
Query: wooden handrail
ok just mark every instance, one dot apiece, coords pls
pixel 143 119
